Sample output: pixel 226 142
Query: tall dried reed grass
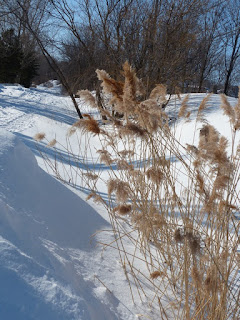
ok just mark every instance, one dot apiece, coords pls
pixel 186 234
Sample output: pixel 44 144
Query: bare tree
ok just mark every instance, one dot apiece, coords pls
pixel 31 17
pixel 231 39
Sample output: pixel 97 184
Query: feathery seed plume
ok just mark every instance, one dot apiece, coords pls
pixel 39 136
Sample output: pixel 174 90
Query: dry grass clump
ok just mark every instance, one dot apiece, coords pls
pixel 183 230
pixel 186 228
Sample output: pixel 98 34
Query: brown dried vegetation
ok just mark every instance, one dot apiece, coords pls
pixel 187 229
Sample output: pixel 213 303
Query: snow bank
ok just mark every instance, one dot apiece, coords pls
pixel 40 220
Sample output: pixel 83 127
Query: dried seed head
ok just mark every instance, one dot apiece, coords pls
pixel 125 153
pixel 122 191
pixel 124 165
pixel 192 149
pixel 130 85
pixel 123 209
pixel 87 96
pixel 71 131
pixel 202 107
pixel 237 112
pixel 110 85
pixel 159 93
pixel 163 162
pixel 199 182
pixel 96 198
pixel 39 136
pixel 132 129
pixel 52 143
pixel 90 196
pixel 105 157
pixel 91 176
pixel 183 109
pixel 156 274
pixel 210 281
pixel 156 175
pixel 208 142
pixel 91 125
pixel 227 108
pixel 158 220
pixel 194 244
pixel 149 116
pixel 112 186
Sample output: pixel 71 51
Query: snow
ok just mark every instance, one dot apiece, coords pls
pixel 51 266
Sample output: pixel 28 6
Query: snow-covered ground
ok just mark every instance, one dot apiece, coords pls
pixel 51 266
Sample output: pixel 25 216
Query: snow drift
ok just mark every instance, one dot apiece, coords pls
pixel 40 221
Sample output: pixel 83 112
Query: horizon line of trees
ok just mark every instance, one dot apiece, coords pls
pixel 188 45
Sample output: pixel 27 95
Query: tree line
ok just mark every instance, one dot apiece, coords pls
pixel 189 45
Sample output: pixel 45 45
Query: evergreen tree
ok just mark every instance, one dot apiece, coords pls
pixel 10 57
pixel 29 68
pixel 16 64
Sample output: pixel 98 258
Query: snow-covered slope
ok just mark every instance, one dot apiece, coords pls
pixel 40 221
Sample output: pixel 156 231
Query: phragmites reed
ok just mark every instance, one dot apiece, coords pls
pixel 130 84
pixel 124 165
pixel 88 97
pixel 183 109
pixel 105 157
pixel 155 175
pixel 227 108
pixel 91 176
pixel 121 189
pixel 132 129
pixel 123 209
pixel 202 108
pixel 173 206
pixel 159 93
pixel 237 112
pixel 156 274
pixel 115 88
pixel 86 125
pixel 52 143
pixel 39 136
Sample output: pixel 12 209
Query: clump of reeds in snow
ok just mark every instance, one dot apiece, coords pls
pixel 188 229
pixel 185 248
